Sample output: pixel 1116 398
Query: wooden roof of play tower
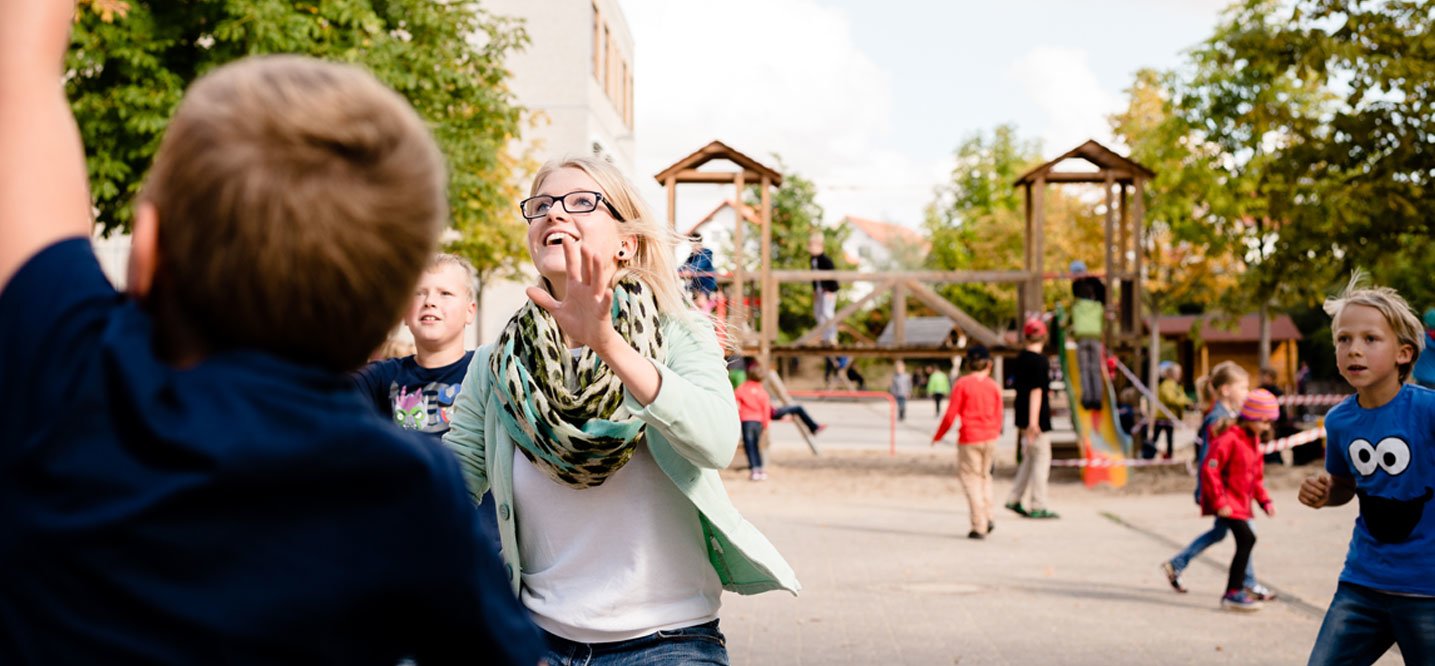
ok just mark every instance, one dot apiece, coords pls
pixel 1121 169
pixel 686 170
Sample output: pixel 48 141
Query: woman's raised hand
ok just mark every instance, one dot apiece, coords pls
pixel 585 313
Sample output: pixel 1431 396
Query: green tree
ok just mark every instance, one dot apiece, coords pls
pixel 1319 111
pixel 977 222
pixel 130 63
pixel 795 215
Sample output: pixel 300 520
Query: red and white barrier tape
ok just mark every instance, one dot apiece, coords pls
pixel 1329 399
pixel 1278 445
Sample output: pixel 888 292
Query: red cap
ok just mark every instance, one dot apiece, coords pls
pixel 1033 328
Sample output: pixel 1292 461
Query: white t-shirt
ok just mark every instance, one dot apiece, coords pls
pixel 614 562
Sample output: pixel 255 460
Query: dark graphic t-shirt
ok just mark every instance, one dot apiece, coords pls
pixel 421 399
pixel 1390 453
pixel 415 397
pixel 1030 371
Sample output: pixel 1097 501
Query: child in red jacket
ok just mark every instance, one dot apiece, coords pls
pixel 1231 478
pixel 755 411
pixel 977 400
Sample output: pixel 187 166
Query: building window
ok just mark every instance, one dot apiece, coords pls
pixel 608 61
pixel 597 43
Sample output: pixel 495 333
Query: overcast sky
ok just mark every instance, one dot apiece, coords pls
pixel 869 98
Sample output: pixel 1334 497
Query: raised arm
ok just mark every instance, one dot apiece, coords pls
pixel 44 194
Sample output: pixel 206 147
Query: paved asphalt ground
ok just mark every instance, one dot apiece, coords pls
pixel 890 577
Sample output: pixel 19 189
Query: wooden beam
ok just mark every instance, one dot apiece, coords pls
pixel 1110 243
pixel 860 336
pixel 719 177
pixel 970 326
pixel 844 313
pixel 1119 175
pixel 806 275
pixel 899 313
pixel 737 309
pixel 1035 298
pixel 768 287
pixel 672 186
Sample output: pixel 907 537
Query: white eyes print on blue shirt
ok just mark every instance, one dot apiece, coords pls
pixel 1392 454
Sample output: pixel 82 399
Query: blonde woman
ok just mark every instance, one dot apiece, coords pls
pixel 599 420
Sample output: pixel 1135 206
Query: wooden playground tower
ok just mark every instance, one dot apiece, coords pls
pixel 758 335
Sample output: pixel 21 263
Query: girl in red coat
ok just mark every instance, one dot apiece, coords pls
pixel 1232 478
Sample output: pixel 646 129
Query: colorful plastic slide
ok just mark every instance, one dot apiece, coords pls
pixel 1098 431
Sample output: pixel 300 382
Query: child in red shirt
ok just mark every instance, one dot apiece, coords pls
pixel 755 411
pixel 977 400
pixel 1231 478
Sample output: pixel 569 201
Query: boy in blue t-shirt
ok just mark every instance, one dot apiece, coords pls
pixel 219 492
pixel 1380 448
pixel 418 391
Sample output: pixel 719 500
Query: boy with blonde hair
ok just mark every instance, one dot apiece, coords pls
pixel 226 495
pixel 1380 448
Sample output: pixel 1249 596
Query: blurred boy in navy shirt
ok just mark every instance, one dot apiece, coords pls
pixel 214 490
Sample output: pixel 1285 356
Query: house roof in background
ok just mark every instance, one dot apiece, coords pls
pixel 922 332
pixel 1248 328
pixel 748 213
pixel 887 233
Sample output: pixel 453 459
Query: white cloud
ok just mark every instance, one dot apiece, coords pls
pixel 769 76
pixel 1061 83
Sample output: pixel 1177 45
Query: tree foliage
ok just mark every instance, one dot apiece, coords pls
pixel 977 222
pixel 130 63
pixel 1316 119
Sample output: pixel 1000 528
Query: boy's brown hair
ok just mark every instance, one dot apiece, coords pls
pixel 298 202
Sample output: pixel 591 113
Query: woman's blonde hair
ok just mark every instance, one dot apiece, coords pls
pixel 1391 305
pixel 652 261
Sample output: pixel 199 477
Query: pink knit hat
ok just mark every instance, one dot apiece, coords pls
pixel 1260 405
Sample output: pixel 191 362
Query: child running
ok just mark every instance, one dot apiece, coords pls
pixel 977 401
pixel 1380 448
pixel 1226 390
pixel 225 494
pixel 1231 478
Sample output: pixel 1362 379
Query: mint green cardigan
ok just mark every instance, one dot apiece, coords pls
pixel 693 432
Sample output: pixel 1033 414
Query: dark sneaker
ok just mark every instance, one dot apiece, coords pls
pixel 1261 593
pixel 1017 507
pixel 976 535
pixel 1173 577
pixel 1238 600
pixel 1042 513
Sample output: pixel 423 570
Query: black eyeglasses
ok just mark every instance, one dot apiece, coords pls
pixel 573 202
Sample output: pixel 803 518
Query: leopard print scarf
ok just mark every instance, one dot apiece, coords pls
pixel 566 414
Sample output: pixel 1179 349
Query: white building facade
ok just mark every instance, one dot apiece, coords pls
pixel 575 80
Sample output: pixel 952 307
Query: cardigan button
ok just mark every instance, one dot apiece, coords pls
pixel 503 511
pixel 509 568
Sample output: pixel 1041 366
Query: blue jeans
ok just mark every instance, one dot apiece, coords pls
pixel 752 443
pixel 1362 623
pixel 1210 538
pixel 700 644
pixel 800 412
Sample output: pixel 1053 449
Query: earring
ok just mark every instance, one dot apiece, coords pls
pixel 622 254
